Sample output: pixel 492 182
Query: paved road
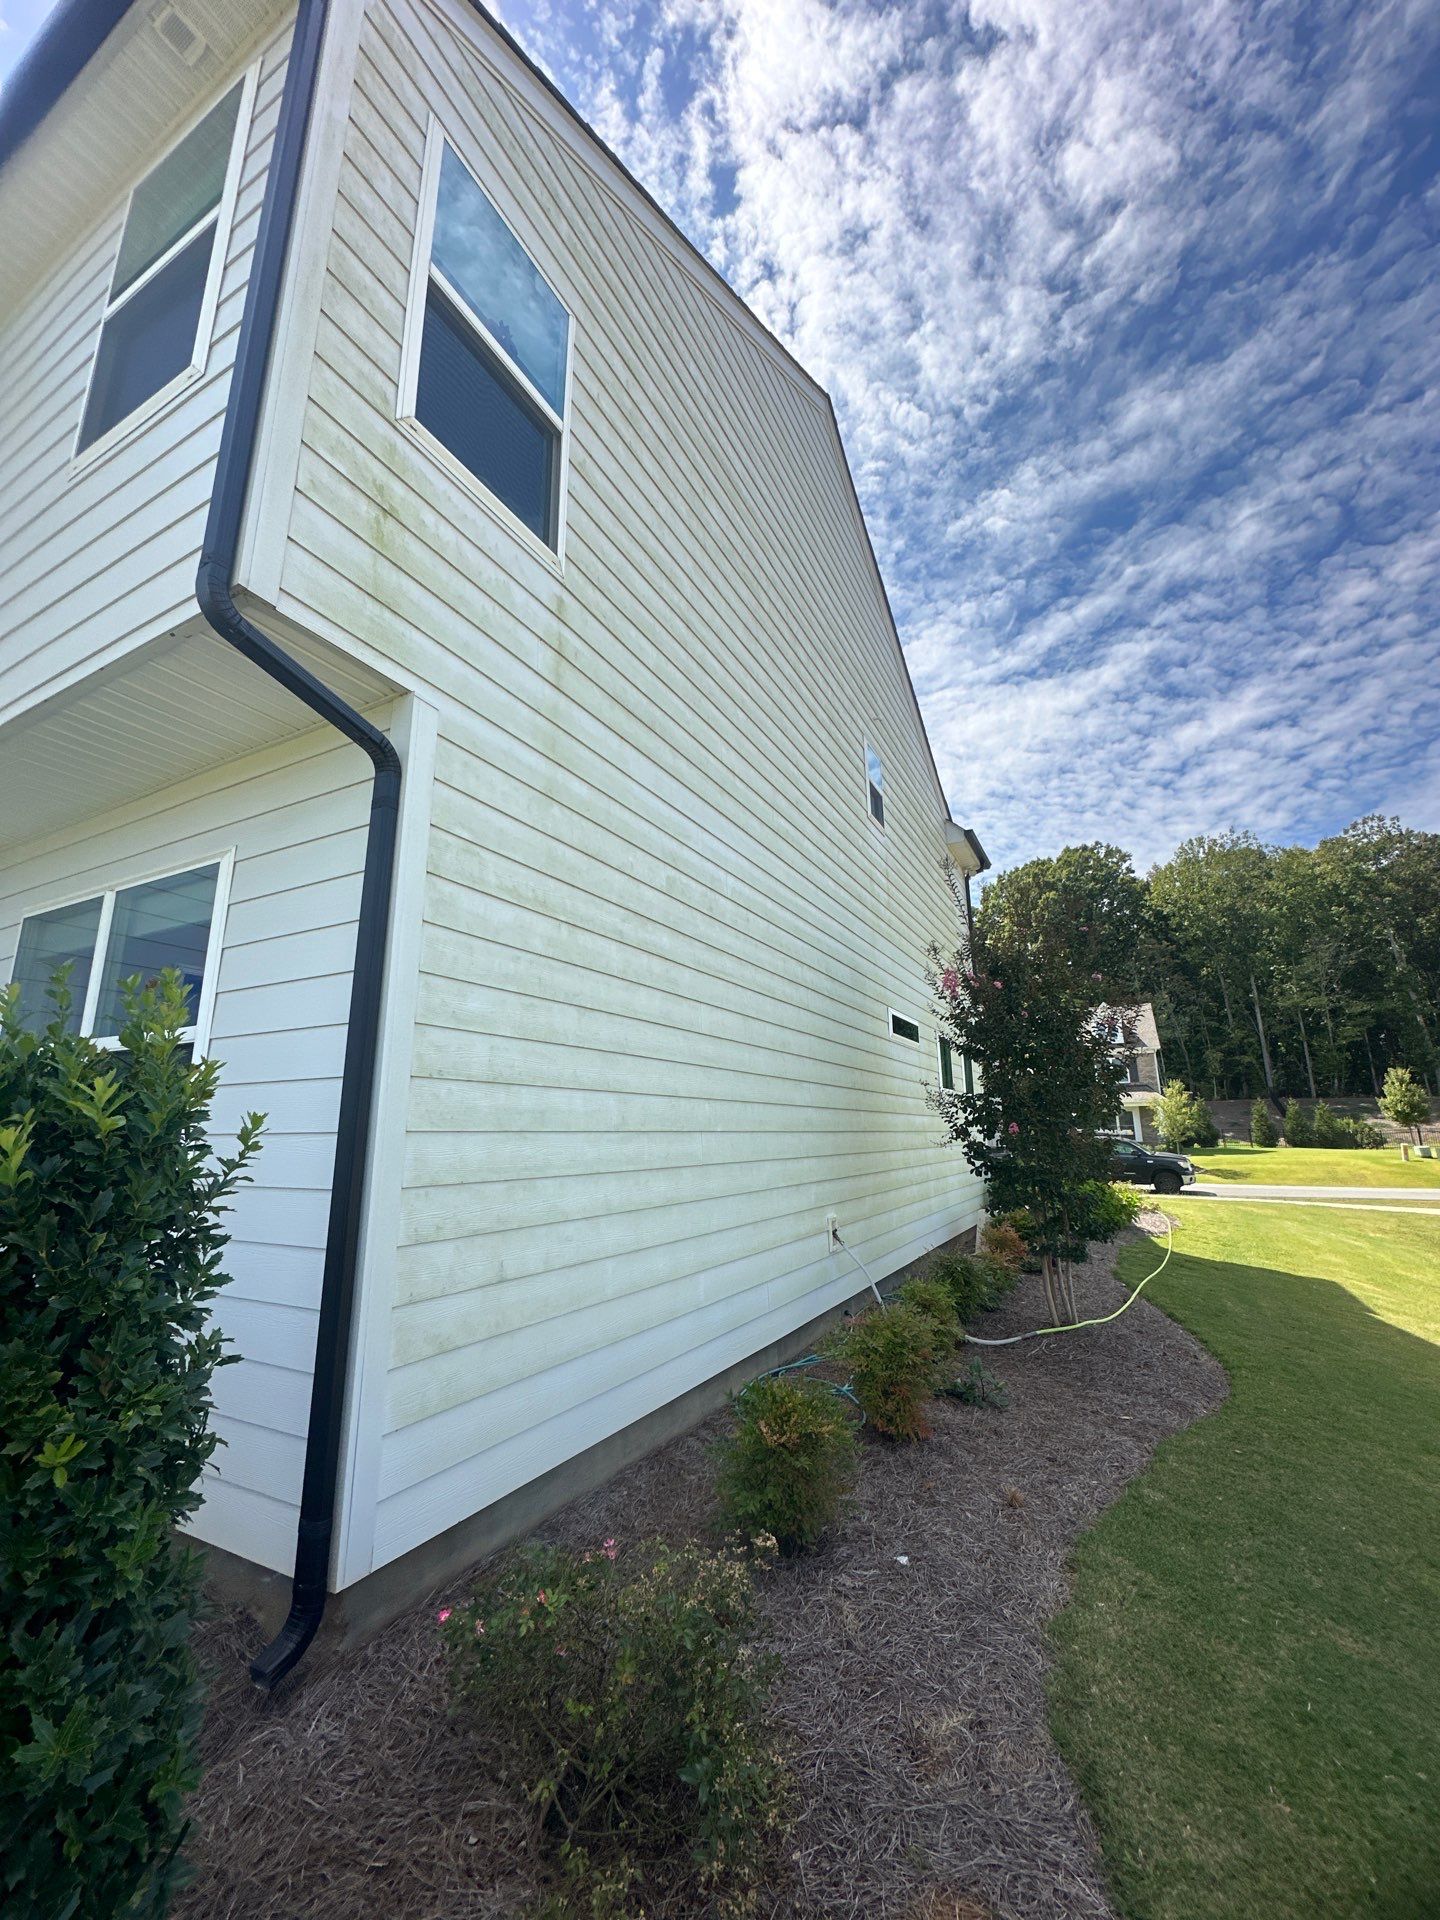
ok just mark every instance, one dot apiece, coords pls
pixel 1222 1190
pixel 1355 1199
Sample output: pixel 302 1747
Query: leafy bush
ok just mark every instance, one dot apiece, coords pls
pixel 110 1242
pixel 1001 1242
pixel 1298 1129
pixel 1114 1206
pixel 630 1706
pixel 788 1462
pixel 1263 1131
pixel 974 1282
pixel 893 1355
pixel 932 1297
pixel 1361 1133
pixel 1329 1129
pixel 1182 1119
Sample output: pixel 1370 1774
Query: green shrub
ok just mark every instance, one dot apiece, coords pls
pixel 1263 1132
pixel 894 1356
pixel 1001 1242
pixel 110 1242
pixel 1329 1129
pixel 789 1460
pixel 1182 1119
pixel 1361 1133
pixel 1114 1206
pixel 932 1297
pixel 1298 1129
pixel 970 1280
pixel 979 1387
pixel 630 1705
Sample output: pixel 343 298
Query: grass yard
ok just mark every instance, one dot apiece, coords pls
pixel 1315 1166
pixel 1247 1683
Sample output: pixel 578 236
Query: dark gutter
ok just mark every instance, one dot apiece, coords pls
pixel 214 588
pixel 71 37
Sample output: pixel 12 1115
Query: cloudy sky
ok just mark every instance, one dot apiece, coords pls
pixel 1131 313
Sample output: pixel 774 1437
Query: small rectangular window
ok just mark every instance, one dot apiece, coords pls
pixel 163 290
pixel 875 781
pixel 969 1072
pixel 904 1029
pixel 947 1065
pixel 490 375
pixel 115 936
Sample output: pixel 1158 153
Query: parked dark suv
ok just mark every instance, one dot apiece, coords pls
pixel 1144 1167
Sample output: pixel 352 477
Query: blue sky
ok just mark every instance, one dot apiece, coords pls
pixel 1131 312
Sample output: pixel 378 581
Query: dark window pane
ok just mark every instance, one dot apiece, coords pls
pixel 473 409
pixel 969 1074
pixel 902 1028
pixel 483 261
pixel 64 936
pixel 163 923
pixel 877 806
pixel 145 343
pixel 186 185
pixel 947 1066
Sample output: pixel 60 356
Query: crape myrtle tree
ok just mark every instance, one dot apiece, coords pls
pixel 1039 1001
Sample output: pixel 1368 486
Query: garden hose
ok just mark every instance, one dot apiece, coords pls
pixel 975 1340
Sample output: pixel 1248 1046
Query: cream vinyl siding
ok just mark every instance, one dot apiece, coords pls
pixel 97 560
pixel 296 819
pixel 661 936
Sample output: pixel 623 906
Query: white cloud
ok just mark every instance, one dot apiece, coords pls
pixel 1136 348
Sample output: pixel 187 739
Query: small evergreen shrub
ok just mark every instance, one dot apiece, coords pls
pixel 1298 1130
pixel 970 1280
pixel 631 1707
pixel 1113 1206
pixel 788 1462
pixel 1361 1133
pixel 894 1355
pixel 110 1242
pixel 979 1387
pixel 1329 1129
pixel 1001 1242
pixel 1263 1131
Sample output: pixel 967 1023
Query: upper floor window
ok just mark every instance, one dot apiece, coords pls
pixel 118 934
pixel 875 781
pixel 488 351
pixel 155 332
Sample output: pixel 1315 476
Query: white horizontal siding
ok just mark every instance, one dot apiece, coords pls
pixel 96 560
pixel 296 819
pixel 661 936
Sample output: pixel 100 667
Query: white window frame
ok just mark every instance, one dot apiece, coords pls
pixel 892 1015
pixel 871 785
pixel 197 1037
pixel 422 271
pixel 81 459
pixel 942 1042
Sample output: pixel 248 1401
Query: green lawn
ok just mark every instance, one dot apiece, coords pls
pixel 1247 1681
pixel 1316 1166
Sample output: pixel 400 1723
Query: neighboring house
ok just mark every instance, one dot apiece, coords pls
pixel 547 567
pixel 1144 1075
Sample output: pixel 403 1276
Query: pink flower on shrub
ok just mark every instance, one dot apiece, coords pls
pixel 997 984
pixel 541 1597
pixel 950 982
pixel 1095 976
pixel 1014 1127
pixel 607 1547
pixel 479 1629
pixel 443 1615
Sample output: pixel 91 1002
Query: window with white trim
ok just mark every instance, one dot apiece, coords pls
pixel 124 933
pixel 155 332
pixel 903 1029
pixel 875 784
pixel 949 1060
pixel 487 366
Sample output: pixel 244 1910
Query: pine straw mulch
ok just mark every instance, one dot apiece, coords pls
pixel 913 1653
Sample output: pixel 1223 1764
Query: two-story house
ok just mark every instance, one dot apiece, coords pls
pixel 437 616
pixel 1144 1074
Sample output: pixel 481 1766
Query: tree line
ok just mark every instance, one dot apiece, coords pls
pixel 1273 970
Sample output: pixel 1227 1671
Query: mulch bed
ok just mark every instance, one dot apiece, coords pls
pixel 913 1689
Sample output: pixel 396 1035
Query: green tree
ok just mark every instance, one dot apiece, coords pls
pixel 1262 1126
pixel 1298 1130
pixel 1404 1100
pixel 1032 1004
pixel 1182 1119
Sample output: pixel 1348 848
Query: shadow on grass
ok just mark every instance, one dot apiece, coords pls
pixel 1247 1683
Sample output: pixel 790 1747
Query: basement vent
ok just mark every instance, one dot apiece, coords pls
pixel 178 34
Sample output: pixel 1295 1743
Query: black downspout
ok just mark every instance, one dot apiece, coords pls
pixel 214 588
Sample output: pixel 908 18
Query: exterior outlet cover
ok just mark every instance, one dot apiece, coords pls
pixel 832 1232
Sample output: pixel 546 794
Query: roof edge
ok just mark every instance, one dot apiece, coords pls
pixel 70 38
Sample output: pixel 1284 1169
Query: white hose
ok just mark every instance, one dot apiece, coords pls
pixel 974 1339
